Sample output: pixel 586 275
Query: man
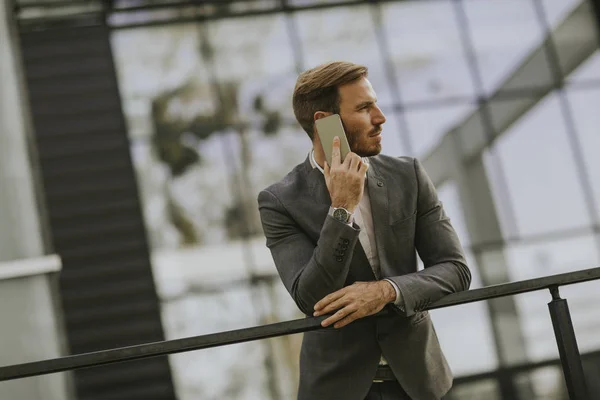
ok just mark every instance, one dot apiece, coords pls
pixel 343 241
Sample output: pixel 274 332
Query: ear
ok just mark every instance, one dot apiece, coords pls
pixel 321 114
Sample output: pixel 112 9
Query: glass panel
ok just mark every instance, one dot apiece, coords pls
pixel 591 368
pixel 327 36
pixel 503 203
pixel 546 384
pixel 483 389
pixel 392 138
pixel 465 326
pixel 504 33
pixel 425 47
pixel 540 172
pixel 584 105
pixel 304 3
pixel 239 371
pixel 427 126
pixel 588 72
pixel 581 34
pixel 211 124
pixel 557 10
pixel 567 254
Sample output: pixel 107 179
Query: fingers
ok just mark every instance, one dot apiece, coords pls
pixel 330 298
pixel 334 305
pixel 335 152
pixel 340 315
pixel 326 169
pixel 347 319
pixel 363 168
pixel 354 160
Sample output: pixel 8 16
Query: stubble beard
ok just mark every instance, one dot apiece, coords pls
pixel 359 146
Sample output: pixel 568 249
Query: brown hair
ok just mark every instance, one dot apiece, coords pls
pixel 317 90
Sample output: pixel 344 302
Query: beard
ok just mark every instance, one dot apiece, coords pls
pixel 362 143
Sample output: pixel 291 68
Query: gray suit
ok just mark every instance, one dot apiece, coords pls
pixel 316 255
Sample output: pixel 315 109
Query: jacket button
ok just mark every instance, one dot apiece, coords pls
pixel 380 184
pixel 339 259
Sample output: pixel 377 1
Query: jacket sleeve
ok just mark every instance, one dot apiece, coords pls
pixel 308 271
pixel 439 248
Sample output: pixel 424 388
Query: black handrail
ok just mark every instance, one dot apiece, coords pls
pixel 562 323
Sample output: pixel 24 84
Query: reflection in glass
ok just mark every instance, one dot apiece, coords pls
pixel 327 35
pixel 540 172
pixel 427 126
pixel 426 50
pixel 504 33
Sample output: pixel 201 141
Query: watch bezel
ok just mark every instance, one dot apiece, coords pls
pixel 341 214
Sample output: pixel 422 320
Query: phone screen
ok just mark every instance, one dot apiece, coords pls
pixel 328 128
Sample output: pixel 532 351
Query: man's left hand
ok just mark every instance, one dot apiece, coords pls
pixel 358 300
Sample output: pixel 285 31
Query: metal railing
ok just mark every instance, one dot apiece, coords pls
pixel 558 308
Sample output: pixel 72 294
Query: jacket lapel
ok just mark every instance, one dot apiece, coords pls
pixel 378 196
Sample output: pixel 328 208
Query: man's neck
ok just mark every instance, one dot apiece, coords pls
pixel 319 156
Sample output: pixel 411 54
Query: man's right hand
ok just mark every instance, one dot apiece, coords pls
pixel 345 181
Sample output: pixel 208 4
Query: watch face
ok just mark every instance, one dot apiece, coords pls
pixel 340 214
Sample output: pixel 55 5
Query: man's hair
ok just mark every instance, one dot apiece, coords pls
pixel 317 90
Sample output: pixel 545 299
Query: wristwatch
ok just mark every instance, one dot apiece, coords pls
pixel 341 214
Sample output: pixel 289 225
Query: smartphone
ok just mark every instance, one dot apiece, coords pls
pixel 328 128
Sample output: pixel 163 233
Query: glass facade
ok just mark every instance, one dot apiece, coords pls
pixel 514 84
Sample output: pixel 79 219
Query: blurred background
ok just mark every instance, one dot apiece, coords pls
pixel 135 136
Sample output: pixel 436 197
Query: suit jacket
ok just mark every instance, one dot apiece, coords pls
pixel 316 255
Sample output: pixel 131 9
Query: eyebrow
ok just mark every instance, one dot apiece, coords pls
pixel 365 104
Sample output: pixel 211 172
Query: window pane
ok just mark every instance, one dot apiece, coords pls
pixel 211 123
pixel 504 33
pixel 326 35
pixel 482 389
pixel 584 105
pixel 540 172
pixel 528 261
pixel 467 325
pixel 579 37
pixel 426 50
pixel 547 383
pixel 557 10
pixel 393 136
pixel 165 89
pixel 588 72
pixel 301 3
pixel 427 126
pixel 266 140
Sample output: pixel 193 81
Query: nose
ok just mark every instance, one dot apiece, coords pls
pixel 378 118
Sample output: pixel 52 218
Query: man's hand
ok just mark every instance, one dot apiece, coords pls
pixel 345 181
pixel 358 300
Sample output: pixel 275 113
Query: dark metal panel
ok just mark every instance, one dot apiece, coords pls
pixel 107 288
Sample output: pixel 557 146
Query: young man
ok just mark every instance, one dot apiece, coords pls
pixel 343 238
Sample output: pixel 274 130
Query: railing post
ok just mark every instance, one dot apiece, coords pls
pixel 567 346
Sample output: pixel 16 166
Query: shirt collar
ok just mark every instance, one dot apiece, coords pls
pixel 314 164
